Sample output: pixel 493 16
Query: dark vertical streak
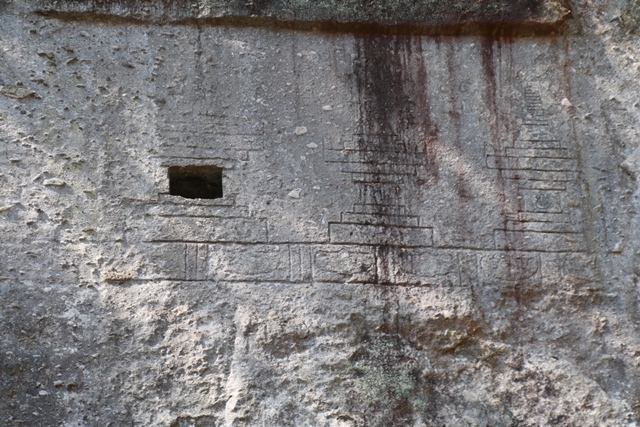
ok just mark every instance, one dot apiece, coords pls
pixel 515 263
pixel 426 130
pixel 395 133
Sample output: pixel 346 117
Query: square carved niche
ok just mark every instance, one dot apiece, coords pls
pixel 195 182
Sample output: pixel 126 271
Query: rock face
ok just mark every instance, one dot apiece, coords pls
pixel 215 221
pixel 415 15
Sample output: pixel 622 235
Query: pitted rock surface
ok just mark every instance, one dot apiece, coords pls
pixel 214 223
pixel 346 15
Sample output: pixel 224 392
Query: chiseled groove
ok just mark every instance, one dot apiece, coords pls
pixel 508 29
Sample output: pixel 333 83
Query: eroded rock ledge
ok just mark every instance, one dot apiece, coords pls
pixel 401 16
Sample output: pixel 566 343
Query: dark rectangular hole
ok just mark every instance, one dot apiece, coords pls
pixel 195 182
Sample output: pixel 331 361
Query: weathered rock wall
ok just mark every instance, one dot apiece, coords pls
pixel 415 229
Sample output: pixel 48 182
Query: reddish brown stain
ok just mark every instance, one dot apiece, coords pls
pixel 500 123
pixel 395 133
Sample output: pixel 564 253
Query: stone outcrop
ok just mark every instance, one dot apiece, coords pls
pixel 415 16
pixel 422 215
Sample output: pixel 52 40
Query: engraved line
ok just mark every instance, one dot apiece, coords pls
pixel 382 226
pixel 185 260
pixel 196 260
pixel 267 230
pixel 290 264
pixel 206 216
pixel 300 261
pixel 558 233
pixel 530 169
pixel 367 163
pixel 377 173
pixel 196 158
pixel 531 157
pixel 410 216
pixel 433 248
pixel 278 282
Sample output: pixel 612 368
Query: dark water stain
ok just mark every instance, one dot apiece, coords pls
pixel 489 71
pixel 392 89
pixel 509 201
pixel 396 138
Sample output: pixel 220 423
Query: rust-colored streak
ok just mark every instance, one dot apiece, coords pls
pixel 515 263
pixel 396 138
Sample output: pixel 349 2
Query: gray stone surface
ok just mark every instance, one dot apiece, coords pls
pixel 414 230
pixel 416 16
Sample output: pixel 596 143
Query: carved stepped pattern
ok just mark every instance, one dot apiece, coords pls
pixel 380 216
pixel 539 169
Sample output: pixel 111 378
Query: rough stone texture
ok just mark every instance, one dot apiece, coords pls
pixel 414 231
pixel 415 16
